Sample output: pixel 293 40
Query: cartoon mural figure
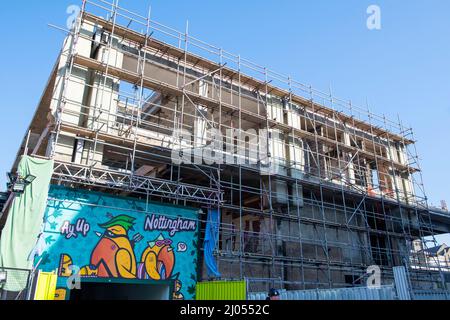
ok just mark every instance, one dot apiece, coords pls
pixel 114 255
pixel 89 271
pixel 177 295
pixel 65 270
pixel 158 259
pixel 64 266
pixel 60 294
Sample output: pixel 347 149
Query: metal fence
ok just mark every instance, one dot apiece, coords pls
pixel 401 289
pixel 15 284
pixel 431 295
pixel 357 293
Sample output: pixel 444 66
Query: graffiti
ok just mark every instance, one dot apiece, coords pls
pixel 65 265
pixel 130 245
pixel 72 230
pixel 182 247
pixel 177 295
pixel 61 294
pixel 66 268
pixel 113 255
pixel 172 225
pixel 158 260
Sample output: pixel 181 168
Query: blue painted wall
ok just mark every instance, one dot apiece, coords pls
pixel 114 237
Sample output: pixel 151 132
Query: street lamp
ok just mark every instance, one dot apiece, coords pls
pixel 17 183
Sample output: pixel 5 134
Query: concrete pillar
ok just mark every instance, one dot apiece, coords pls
pixel 78 152
pixel 200 124
pixel 293 117
pixel 73 90
pixel 278 152
pixel 200 120
pixel 104 95
pixel 80 100
pixel 296 157
pixel 402 155
pixel 350 166
pixel 275 109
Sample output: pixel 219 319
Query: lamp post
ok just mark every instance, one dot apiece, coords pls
pixel 16 185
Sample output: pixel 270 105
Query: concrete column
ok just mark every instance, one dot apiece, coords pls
pixel 73 90
pixel 78 152
pixel 296 157
pixel 201 115
pixel 350 166
pixel 104 95
pixel 200 124
pixel 278 152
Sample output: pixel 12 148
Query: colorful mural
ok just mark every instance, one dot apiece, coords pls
pixel 113 237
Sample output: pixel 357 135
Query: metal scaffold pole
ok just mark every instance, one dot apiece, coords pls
pixel 343 189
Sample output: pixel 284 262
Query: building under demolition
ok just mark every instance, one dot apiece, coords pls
pixel 154 134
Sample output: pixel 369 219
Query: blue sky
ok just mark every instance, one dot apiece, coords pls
pixel 404 68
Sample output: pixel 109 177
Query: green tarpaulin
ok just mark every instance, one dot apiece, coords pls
pixel 24 222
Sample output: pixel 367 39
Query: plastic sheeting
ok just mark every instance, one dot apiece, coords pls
pixel 211 238
pixel 24 222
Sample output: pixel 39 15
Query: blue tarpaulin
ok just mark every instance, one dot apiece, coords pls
pixel 211 239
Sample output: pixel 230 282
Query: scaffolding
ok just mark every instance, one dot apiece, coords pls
pixel 344 188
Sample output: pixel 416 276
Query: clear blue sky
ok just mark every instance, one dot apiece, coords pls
pixel 404 68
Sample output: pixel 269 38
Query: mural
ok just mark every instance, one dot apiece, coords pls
pixel 113 237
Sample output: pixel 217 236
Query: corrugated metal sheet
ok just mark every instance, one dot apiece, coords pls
pixel 360 293
pixel 221 290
